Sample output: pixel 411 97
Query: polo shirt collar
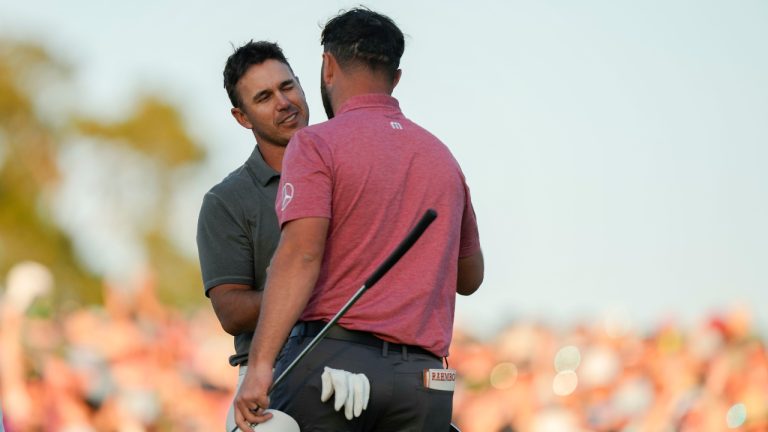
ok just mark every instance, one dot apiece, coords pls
pixel 263 172
pixel 369 101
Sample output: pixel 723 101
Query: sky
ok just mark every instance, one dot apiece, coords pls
pixel 615 150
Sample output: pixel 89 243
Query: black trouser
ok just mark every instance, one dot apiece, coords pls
pixel 398 402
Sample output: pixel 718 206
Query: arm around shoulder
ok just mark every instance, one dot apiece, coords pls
pixel 470 273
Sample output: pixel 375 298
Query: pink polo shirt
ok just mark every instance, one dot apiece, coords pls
pixel 373 173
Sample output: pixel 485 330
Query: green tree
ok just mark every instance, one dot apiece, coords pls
pixel 30 145
pixel 28 172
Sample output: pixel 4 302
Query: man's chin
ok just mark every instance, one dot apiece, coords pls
pixel 293 125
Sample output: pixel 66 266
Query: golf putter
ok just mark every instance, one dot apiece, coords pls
pixel 393 258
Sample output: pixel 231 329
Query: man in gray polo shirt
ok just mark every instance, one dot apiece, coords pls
pixel 237 228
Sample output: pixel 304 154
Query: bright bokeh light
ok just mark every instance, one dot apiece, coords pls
pixel 26 281
pixel 504 376
pixel 599 367
pixel 555 420
pixel 565 383
pixel 567 359
pixel 736 416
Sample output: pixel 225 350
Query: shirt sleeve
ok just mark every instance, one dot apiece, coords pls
pixel 223 245
pixel 469 242
pixel 306 183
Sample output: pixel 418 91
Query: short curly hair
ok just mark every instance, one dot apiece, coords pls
pixel 252 53
pixel 361 35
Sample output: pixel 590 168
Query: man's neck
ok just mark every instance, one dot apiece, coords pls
pixel 272 155
pixel 361 85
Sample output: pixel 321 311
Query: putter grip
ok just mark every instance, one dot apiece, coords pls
pixel 403 247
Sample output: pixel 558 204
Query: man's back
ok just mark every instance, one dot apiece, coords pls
pixel 373 172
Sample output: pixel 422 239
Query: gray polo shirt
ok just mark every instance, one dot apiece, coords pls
pixel 237 233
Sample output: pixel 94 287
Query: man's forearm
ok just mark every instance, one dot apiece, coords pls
pixel 470 274
pixel 292 276
pixel 237 307
pixel 284 300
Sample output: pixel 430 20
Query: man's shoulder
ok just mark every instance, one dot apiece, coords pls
pixel 232 183
pixel 314 131
pixel 329 132
pixel 230 191
pixel 350 126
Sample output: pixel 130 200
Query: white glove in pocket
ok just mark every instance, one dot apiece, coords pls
pixel 352 391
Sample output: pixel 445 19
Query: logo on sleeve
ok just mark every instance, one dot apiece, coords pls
pixel 396 125
pixel 287 195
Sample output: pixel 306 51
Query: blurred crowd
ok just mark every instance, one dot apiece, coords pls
pixel 601 377
pixel 129 365
pixel 133 364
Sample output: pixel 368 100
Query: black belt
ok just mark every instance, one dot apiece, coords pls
pixel 312 328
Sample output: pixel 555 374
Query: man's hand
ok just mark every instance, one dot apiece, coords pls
pixel 251 400
pixel 352 391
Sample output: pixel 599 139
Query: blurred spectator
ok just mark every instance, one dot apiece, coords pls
pixel 134 364
pixel 131 365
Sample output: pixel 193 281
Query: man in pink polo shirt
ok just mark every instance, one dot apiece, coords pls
pixel 351 188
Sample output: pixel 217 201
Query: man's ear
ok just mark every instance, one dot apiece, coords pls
pixel 241 118
pixel 329 67
pixel 398 74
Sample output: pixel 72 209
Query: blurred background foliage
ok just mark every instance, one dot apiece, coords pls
pixel 31 145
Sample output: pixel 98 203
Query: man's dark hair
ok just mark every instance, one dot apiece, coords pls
pixel 364 36
pixel 252 53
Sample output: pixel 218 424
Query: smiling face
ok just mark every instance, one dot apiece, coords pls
pixel 272 103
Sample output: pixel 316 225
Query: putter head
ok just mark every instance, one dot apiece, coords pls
pixel 280 422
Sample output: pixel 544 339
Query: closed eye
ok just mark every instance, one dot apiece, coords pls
pixel 287 85
pixel 262 96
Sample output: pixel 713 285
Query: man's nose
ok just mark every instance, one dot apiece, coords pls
pixel 282 101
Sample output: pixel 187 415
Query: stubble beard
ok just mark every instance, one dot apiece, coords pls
pixel 326 99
